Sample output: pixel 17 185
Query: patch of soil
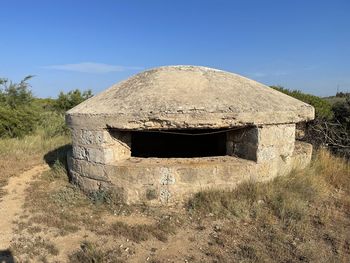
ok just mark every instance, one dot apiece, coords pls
pixel 11 204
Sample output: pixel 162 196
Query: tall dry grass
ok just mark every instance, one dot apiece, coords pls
pixel 304 216
pixel 18 155
pixel 333 170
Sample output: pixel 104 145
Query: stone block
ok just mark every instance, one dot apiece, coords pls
pixel 275 141
pixel 243 143
pixel 88 169
pixel 92 137
pixel 263 143
pixel 86 184
pixel 97 154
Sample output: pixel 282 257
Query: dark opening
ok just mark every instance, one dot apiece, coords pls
pixel 201 143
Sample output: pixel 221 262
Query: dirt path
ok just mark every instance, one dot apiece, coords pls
pixel 11 203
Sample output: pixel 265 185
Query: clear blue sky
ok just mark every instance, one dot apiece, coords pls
pixel 92 44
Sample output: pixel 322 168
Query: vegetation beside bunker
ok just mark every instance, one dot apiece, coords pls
pixel 301 216
pixel 286 219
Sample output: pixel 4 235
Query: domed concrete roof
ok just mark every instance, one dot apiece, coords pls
pixel 175 97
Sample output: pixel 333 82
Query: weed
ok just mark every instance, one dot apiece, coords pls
pixel 165 226
pixel 299 217
pixel 34 247
pixel 91 253
pixel 17 155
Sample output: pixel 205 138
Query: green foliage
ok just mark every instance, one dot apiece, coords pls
pixel 323 109
pixel 52 123
pixel 47 104
pixel 21 114
pixel 18 116
pixel 17 122
pixel 342 112
pixel 15 95
pixel 68 100
pixel 342 94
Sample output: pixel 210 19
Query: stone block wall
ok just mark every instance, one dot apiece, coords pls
pixel 92 151
pixel 100 146
pixel 101 160
pixel 262 144
pixel 276 141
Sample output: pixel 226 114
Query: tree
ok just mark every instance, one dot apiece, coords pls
pixel 15 95
pixel 66 101
pixel 18 117
pixel 342 111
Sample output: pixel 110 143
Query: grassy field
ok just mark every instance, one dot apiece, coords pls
pixel 18 155
pixel 302 217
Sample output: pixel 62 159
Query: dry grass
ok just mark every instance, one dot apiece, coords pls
pixel 301 217
pixel 91 253
pixel 53 202
pixel 165 226
pixel 18 155
pixel 33 248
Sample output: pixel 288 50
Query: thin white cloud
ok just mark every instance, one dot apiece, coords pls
pixel 275 73
pixel 91 67
pixel 259 74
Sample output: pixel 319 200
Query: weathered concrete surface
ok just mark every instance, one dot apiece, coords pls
pixel 168 181
pixel 100 146
pixel 262 144
pixel 176 97
pixel 180 98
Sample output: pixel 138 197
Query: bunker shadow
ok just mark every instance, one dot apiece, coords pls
pixel 58 156
pixel 6 256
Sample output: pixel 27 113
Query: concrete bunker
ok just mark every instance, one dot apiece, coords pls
pixel 169 132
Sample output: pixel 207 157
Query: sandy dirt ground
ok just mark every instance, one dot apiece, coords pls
pixel 11 204
pixel 178 247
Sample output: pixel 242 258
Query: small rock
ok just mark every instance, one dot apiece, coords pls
pixel 217 228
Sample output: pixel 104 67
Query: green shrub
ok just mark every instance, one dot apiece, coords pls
pixel 66 101
pixel 21 114
pixel 52 123
pixel 18 116
pixel 17 122
pixel 15 95
pixel 342 112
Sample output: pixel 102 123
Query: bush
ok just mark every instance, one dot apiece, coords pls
pixel 53 124
pixel 15 95
pixel 17 122
pixel 21 114
pixel 69 100
pixel 342 112
pixel 18 117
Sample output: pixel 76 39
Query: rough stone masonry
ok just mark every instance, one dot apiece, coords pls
pixel 169 132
